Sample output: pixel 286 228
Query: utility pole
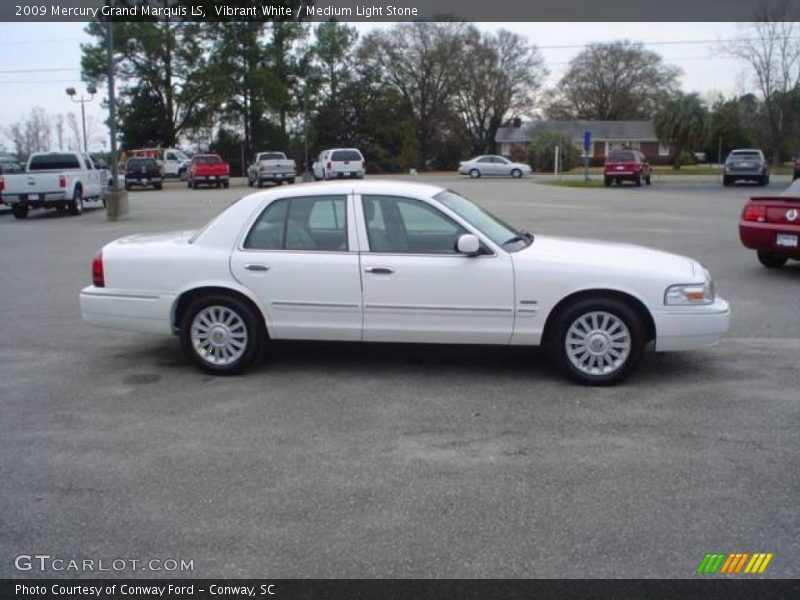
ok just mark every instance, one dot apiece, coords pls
pixel 112 108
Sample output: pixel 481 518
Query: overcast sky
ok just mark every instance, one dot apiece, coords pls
pixel 29 48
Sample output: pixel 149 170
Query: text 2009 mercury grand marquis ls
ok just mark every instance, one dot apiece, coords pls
pixel 396 262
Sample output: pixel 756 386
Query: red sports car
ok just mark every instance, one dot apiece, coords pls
pixel 771 226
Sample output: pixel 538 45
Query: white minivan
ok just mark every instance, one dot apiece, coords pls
pixel 338 163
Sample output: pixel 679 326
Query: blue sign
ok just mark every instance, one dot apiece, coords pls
pixel 587 140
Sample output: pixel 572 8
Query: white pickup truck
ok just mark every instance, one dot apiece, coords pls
pixel 62 180
pixel 271 166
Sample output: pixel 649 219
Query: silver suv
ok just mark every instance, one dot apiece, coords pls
pixel 746 164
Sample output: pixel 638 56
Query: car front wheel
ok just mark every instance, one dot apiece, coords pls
pixel 76 206
pixel 598 341
pixel 474 173
pixel 516 173
pixel 221 334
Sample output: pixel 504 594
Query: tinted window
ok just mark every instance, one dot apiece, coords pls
pixel 346 155
pixel 622 156
pixel 306 223
pixel 744 156
pixel 403 225
pixel 9 167
pixel 139 163
pixel 208 159
pixel 54 162
pixel 271 156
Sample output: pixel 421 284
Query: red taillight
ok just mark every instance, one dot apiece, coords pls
pixel 98 279
pixel 2 184
pixel 62 181
pixel 755 212
pixel 329 165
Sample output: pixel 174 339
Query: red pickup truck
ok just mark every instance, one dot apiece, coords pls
pixel 771 226
pixel 208 169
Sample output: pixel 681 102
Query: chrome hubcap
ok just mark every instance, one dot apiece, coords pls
pixel 598 343
pixel 219 335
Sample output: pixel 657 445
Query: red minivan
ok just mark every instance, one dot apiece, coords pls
pixel 626 165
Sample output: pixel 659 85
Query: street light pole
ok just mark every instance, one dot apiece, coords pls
pixel 92 90
pixel 112 108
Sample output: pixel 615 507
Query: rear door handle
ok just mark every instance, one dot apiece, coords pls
pixel 379 270
pixel 256 267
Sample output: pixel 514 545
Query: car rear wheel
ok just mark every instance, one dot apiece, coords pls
pixel 159 186
pixel 647 179
pixel 221 334
pixel 189 183
pixel 598 341
pixel 20 211
pixel 516 173
pixel 726 181
pixel 771 260
pixel 76 206
pixel 607 181
pixel 474 173
pixel 226 184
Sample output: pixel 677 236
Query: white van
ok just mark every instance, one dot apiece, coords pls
pixel 338 163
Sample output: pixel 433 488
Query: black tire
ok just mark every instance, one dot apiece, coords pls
pixel 291 181
pixel 622 312
pixel 252 323
pixel 159 186
pixel 765 179
pixel 474 174
pixel 226 184
pixel 128 187
pixel 726 181
pixel 647 180
pixel 770 259
pixel 607 181
pixel 20 211
pixel 76 206
pixel 638 181
pixel 189 184
pixel 516 173
pixel 795 175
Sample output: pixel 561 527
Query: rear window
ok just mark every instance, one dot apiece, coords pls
pixel 54 162
pixel 208 160
pixel 745 156
pixel 621 156
pixel 138 163
pixel 271 156
pixel 341 155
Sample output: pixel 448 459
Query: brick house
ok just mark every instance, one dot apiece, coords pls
pixel 606 136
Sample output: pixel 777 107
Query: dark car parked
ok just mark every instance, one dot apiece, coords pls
pixel 143 172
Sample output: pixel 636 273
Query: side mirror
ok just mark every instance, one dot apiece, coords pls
pixel 468 244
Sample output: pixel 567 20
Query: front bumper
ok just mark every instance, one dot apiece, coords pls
pixel 691 327
pixel 132 311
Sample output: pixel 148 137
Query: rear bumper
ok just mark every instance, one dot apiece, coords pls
pixel 126 310
pixel 743 174
pixel 763 236
pixel 45 200
pixel 346 174
pixel 691 328
pixel 210 178
pixel 276 177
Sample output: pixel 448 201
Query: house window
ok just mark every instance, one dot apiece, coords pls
pixel 663 149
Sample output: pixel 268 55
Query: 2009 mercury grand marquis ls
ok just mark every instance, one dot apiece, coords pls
pixel 398 262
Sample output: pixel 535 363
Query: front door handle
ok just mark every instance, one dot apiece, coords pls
pixel 379 270
pixel 256 267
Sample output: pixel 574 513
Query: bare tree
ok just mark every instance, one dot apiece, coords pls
pixel 771 48
pixel 613 81
pixel 58 125
pixel 420 60
pixel 31 134
pixel 501 73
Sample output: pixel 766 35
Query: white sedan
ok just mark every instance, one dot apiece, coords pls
pixel 493 165
pixel 398 262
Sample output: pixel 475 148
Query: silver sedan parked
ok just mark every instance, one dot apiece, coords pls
pixel 493 165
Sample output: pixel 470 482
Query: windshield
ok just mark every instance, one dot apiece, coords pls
pixel 485 222
pixel 620 156
pixel 744 156
pixel 271 156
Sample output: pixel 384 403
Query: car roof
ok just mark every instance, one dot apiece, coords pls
pixel 745 150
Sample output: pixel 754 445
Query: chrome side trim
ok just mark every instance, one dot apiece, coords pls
pixel 459 309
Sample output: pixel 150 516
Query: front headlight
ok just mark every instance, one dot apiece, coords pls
pixel 690 294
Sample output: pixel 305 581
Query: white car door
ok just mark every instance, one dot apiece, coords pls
pixel 486 165
pixel 300 257
pixel 417 288
pixel 502 165
pixel 93 186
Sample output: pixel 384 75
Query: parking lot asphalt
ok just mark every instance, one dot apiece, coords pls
pixel 334 460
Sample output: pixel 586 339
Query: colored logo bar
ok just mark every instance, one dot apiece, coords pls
pixel 734 563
